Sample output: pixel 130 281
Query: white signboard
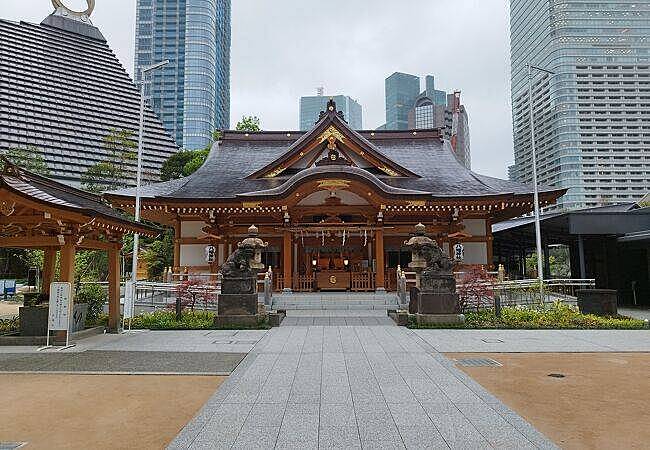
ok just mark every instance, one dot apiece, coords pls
pixel 459 252
pixel 60 307
pixel 128 300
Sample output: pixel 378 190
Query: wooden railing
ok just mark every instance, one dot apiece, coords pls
pixel 303 283
pixel 362 281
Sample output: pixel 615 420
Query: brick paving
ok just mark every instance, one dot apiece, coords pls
pixel 353 387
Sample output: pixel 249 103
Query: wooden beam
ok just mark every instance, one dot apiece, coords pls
pixel 177 246
pixel 29 242
pixel 113 290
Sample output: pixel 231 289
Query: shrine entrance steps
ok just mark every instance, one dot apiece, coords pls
pixel 350 301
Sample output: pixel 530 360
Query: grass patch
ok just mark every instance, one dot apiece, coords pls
pixel 9 326
pixel 190 320
pixel 558 316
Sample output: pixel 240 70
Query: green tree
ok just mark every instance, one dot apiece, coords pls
pixel 248 123
pixel 111 173
pixel 159 254
pixel 29 158
pixel 174 167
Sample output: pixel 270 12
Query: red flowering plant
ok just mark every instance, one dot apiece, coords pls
pixel 475 289
pixel 194 293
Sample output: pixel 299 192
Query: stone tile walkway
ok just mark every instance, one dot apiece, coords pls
pixel 573 341
pixel 335 317
pixel 352 387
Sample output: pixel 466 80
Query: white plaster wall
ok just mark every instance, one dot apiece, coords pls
pixel 192 255
pixel 475 227
pixel 192 229
pixel 475 253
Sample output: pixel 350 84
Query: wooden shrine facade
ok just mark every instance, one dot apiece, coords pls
pixel 334 204
pixel 39 213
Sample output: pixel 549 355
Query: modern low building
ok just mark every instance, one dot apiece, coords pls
pixel 592 115
pixel 191 94
pixel 63 90
pixel 312 106
pixel 335 205
pixel 610 244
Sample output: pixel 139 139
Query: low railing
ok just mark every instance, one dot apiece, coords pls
pixel 362 281
pixel 303 283
pixel 481 294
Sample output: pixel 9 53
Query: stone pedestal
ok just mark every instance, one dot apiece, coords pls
pixel 237 304
pixel 437 303
pixel 601 302
pixel 439 319
pixel 246 285
pixel 33 320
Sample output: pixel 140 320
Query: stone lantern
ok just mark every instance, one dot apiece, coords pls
pixel 255 243
pixel 417 243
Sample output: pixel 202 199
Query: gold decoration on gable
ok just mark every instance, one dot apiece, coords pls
pixel 251 204
pixel 417 203
pixel 333 184
pixel 275 173
pixel 7 208
pixel 388 171
pixel 331 132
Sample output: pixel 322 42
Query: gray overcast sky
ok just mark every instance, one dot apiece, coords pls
pixel 286 48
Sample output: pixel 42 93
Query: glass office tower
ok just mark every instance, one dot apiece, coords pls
pixel 402 90
pixel 592 116
pixel 191 95
pixel 311 106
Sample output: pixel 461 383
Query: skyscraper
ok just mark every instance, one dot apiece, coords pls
pixel 409 109
pixel 191 95
pixel 592 115
pixel 402 90
pixel 63 104
pixel 311 106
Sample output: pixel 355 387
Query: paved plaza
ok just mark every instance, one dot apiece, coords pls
pixel 353 387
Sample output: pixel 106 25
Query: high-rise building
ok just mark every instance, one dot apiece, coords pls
pixel 592 115
pixel 311 107
pixel 402 90
pixel 191 94
pixel 407 108
pixel 63 91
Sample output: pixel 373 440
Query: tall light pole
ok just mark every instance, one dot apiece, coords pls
pixel 538 232
pixel 136 236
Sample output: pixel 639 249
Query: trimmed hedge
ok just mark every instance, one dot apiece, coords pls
pixel 166 320
pixel 555 316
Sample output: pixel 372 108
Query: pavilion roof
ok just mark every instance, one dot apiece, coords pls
pixel 415 163
pixel 55 195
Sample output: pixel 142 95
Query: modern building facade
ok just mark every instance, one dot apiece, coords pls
pixel 312 106
pixel 408 108
pixel 63 91
pixel 191 94
pixel 592 115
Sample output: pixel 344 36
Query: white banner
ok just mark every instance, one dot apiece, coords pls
pixel 128 300
pixel 60 307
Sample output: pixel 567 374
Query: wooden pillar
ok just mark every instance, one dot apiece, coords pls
pixel 114 289
pixel 287 265
pixel 68 252
pixel 177 246
pixel 379 255
pixel 49 270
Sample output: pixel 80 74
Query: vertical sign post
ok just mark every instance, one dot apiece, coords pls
pixel 129 302
pixel 60 312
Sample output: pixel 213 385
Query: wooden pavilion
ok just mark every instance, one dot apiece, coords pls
pixel 334 204
pixel 39 213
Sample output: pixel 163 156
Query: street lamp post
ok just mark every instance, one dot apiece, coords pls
pixel 136 236
pixel 538 233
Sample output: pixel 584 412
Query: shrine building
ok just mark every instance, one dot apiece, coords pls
pixel 334 204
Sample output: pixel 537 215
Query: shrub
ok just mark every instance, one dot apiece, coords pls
pixel 166 320
pixel 8 326
pixel 95 296
pixel 555 316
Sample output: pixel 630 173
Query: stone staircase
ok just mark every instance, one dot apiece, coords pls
pixel 359 301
